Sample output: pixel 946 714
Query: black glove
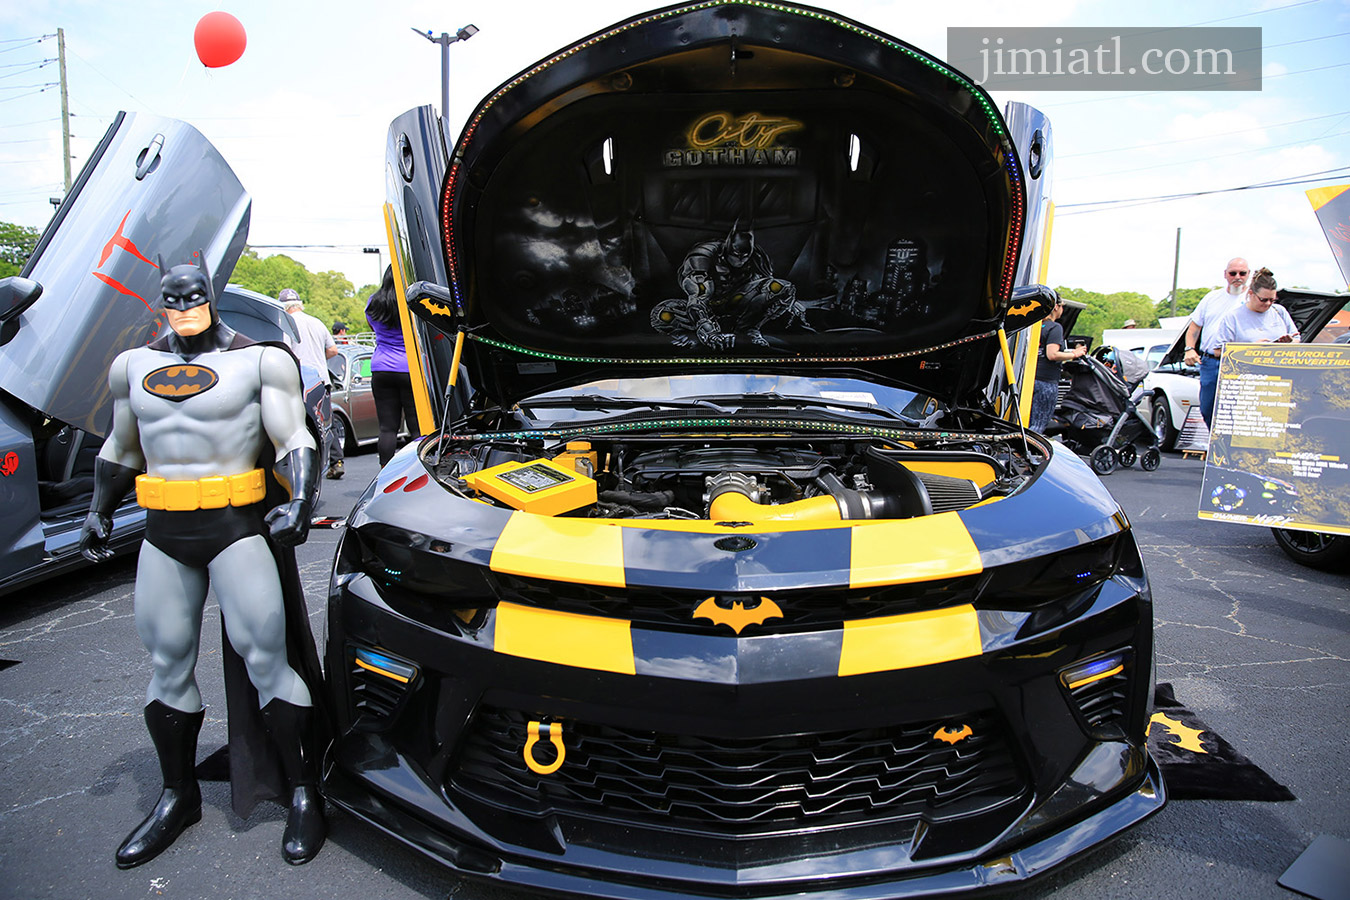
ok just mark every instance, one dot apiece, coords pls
pixel 111 483
pixel 299 473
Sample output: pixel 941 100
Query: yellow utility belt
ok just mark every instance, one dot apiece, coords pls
pixel 213 492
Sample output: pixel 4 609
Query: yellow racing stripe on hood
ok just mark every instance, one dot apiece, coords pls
pixel 580 551
pixel 909 641
pixel 906 550
pixel 568 639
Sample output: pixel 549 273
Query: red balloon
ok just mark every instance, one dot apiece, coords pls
pixel 219 39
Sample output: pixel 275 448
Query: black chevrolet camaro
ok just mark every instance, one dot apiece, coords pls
pixel 729 571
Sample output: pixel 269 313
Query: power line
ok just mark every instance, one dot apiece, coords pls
pixel 34 122
pixel 1103 205
pixel 1259 12
pixel 1191 162
pixel 1118 97
pixel 1204 137
pixel 31 43
pixel 21 96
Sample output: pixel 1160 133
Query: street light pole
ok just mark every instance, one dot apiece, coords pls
pixel 379 258
pixel 445 40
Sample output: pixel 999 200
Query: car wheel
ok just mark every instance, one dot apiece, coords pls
pixel 1150 460
pixel 1103 460
pixel 1162 422
pixel 1127 455
pixel 344 434
pixel 1317 549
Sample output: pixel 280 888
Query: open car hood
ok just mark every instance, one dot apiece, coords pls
pixel 731 186
pixel 153 188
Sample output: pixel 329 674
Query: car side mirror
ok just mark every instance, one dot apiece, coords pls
pixel 16 295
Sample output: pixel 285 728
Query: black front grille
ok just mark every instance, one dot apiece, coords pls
pixel 743 785
pixel 801 609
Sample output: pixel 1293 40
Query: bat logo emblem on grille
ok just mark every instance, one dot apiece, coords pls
pixel 737 615
pixel 953 734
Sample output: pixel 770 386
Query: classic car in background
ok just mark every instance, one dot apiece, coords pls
pixel 732 579
pixel 152 188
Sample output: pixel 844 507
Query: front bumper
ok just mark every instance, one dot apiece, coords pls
pixel 400 803
pixel 439 762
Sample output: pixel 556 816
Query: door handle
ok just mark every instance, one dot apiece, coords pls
pixel 148 160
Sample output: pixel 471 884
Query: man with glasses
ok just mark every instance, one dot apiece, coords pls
pixel 1213 307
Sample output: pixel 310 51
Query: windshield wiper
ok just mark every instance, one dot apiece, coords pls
pixel 771 399
pixel 600 401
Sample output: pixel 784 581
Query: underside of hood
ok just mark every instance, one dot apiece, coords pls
pixel 731 185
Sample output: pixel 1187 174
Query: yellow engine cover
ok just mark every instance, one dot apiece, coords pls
pixel 542 487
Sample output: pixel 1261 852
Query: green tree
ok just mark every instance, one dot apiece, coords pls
pixel 1109 310
pixel 17 243
pixel 328 295
pixel 1187 300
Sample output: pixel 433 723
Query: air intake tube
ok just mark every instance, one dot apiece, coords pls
pixel 734 497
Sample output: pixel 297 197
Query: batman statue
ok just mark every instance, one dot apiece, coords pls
pixel 209 428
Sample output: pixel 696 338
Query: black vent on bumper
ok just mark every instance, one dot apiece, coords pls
pixel 740 786
pixel 1103 701
pixel 379 684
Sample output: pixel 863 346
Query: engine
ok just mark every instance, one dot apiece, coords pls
pixel 737 480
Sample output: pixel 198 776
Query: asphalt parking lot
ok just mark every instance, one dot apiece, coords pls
pixel 1257 645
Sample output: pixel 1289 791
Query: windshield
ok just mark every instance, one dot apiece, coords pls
pixel 725 394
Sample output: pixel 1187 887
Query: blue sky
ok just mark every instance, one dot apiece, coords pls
pixel 303 115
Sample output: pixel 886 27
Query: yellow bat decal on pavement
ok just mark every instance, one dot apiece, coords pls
pixel 1186 738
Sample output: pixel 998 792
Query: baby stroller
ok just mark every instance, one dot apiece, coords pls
pixel 1099 414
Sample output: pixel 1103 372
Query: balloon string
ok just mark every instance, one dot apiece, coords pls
pixel 178 92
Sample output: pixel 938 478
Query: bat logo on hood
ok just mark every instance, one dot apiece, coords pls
pixel 178 382
pixel 738 615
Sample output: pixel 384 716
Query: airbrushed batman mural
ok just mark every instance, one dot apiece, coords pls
pixel 730 291
pixel 734 232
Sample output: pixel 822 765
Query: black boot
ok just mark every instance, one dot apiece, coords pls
pixel 174 734
pixel 292 731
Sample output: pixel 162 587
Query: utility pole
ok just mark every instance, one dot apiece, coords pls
pixel 1176 265
pixel 65 102
pixel 445 40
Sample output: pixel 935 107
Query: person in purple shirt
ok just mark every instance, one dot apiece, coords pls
pixel 390 383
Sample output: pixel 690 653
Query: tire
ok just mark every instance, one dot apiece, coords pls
pixel 344 433
pixel 1127 455
pixel 1316 549
pixel 1103 460
pixel 1162 422
pixel 1150 459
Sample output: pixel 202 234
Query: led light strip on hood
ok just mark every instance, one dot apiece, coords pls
pixel 742 360
pixel 898 434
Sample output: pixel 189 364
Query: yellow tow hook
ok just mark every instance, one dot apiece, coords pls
pixel 552 732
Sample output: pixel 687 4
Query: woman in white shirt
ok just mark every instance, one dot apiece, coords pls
pixel 1258 320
